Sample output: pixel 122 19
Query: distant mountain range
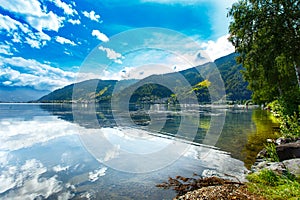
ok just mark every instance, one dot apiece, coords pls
pixel 167 87
pixel 20 94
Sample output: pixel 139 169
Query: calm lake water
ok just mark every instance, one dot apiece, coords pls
pixel 54 151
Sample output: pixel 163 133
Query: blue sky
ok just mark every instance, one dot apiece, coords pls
pixel 44 42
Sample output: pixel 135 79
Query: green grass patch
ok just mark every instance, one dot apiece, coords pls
pixel 272 186
pixel 271 152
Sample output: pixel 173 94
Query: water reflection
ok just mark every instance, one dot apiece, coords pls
pixel 243 134
pixel 42 156
pixel 148 117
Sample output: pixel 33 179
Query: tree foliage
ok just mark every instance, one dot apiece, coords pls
pixel 266 34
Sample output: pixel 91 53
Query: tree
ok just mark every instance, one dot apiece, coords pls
pixel 266 34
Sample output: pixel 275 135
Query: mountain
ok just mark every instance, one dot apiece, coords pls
pixel 89 89
pixel 20 94
pixel 235 85
pixel 196 79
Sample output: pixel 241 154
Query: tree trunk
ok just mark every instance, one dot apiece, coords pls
pixel 297 71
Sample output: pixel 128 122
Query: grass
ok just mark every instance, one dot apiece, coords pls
pixel 273 186
pixel 271 152
pixel 266 182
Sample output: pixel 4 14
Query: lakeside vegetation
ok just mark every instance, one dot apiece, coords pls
pixel 273 186
pixel 266 34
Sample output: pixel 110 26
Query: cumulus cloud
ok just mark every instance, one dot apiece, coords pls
pixel 76 21
pixel 63 40
pixel 49 21
pixel 33 13
pixel 91 15
pixel 5 49
pixel 100 36
pixel 67 8
pixel 21 32
pixel 17 71
pixel 219 48
pixel 28 72
pixel 112 55
pixel 32 43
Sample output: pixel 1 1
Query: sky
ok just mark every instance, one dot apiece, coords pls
pixel 45 43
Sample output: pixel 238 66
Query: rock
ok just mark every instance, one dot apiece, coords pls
pixel 270 141
pixel 293 166
pixel 280 141
pixel 262 154
pixel 288 151
pixel 277 167
pixel 283 140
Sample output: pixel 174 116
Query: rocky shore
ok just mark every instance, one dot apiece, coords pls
pixel 288 151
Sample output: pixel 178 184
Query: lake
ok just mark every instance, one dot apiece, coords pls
pixel 60 151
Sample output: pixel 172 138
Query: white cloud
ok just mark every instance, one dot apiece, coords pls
pixel 72 21
pixel 112 55
pixel 100 36
pixel 7 83
pixel 63 40
pixel 49 21
pixel 8 23
pixel 91 15
pixel 33 14
pixel 219 48
pixel 66 7
pixel 16 38
pixel 22 72
pixel 22 33
pixel 33 43
pixel 5 49
pixel 43 36
pixel 29 72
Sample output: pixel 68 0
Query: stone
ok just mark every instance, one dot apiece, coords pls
pixel 293 166
pixel 262 154
pixel 288 151
pixel 280 141
pixel 277 167
pixel 270 141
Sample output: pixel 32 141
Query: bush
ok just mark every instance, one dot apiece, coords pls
pixel 273 186
pixel 271 153
pixel 265 177
pixel 290 126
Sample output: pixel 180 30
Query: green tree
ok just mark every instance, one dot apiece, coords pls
pixel 266 34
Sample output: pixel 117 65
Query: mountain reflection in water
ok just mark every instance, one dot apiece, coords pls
pixel 42 153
